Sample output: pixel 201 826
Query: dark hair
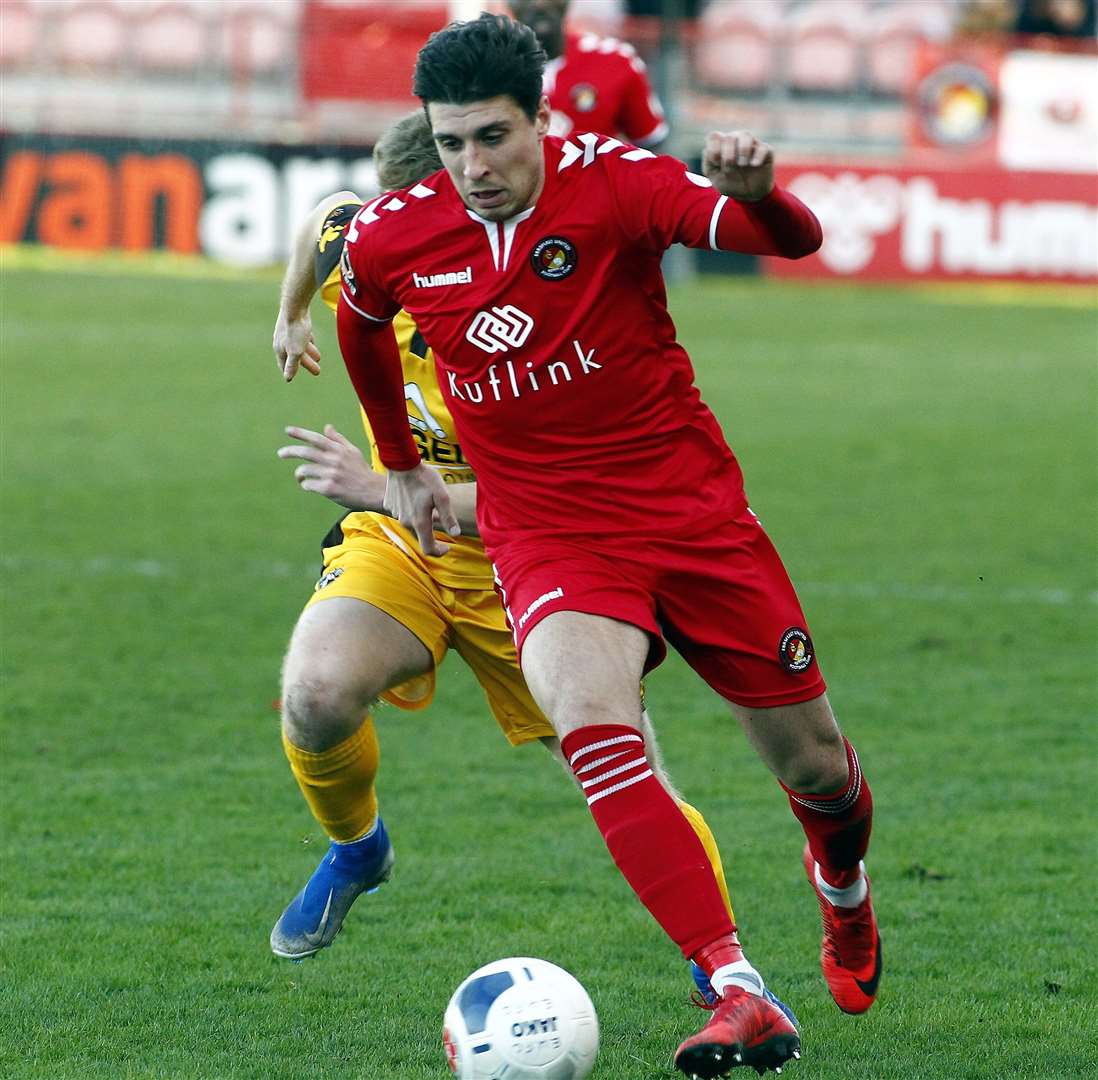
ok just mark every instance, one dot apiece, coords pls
pixel 406 153
pixel 481 59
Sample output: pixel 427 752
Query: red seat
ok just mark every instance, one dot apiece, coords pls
pixel 895 34
pixel 261 38
pixel 90 34
pixel 824 46
pixel 735 45
pixel 171 37
pixel 19 29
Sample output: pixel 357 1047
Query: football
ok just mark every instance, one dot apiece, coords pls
pixel 523 1019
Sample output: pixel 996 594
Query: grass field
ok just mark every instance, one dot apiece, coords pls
pixel 925 463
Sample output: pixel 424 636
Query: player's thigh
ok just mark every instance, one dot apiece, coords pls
pixel 483 639
pixel 727 605
pixel 584 669
pixel 374 621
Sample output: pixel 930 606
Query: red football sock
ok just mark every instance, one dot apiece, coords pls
pixel 837 825
pixel 653 845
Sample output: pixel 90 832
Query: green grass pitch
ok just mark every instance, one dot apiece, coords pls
pixel 924 461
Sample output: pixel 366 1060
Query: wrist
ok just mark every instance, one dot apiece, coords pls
pixel 756 198
pixel 294 309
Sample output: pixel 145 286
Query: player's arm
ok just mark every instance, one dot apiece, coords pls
pixel 294 344
pixel 414 492
pixel 332 466
pixel 642 118
pixel 759 218
pixel 735 206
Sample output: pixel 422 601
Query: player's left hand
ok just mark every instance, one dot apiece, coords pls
pixel 739 165
pixel 417 498
pixel 334 467
pixel 294 344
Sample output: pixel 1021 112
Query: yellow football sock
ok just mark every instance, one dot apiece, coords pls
pixel 709 842
pixel 338 784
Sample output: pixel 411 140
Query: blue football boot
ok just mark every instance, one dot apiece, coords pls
pixel 709 998
pixel 316 914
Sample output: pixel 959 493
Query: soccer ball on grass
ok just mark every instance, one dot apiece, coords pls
pixel 520 1019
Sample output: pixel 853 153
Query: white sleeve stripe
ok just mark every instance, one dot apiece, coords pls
pixel 602 743
pixel 618 787
pixel 713 222
pixel 640 762
pixel 365 314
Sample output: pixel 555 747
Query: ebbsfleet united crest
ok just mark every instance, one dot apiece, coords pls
pixel 554 258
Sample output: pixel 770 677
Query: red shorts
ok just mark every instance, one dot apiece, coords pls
pixel 722 599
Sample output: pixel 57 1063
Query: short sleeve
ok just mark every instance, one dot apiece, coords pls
pixel 642 120
pixel 329 249
pixel 660 202
pixel 362 278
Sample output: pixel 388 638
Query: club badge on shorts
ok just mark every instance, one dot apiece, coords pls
pixel 553 258
pixel 795 650
pixel 327 579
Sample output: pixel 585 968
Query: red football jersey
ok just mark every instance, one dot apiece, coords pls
pixel 556 354
pixel 600 84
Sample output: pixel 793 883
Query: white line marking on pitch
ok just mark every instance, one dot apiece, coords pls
pixel 115 566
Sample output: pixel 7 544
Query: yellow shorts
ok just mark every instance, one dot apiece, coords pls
pixel 368 566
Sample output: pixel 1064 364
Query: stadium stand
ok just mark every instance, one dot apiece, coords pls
pixel 341 68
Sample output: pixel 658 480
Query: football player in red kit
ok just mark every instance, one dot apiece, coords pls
pixel 592 83
pixel 611 506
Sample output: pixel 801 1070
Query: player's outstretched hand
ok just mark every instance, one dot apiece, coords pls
pixel 334 467
pixel 739 165
pixel 294 344
pixel 413 497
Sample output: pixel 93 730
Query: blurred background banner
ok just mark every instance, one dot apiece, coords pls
pixel 937 138
pixel 232 201
pixel 892 223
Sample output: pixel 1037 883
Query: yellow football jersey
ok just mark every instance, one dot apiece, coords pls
pixel 465 566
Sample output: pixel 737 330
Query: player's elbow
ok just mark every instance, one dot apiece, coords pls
pixel 807 242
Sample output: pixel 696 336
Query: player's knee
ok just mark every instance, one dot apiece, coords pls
pixel 320 711
pixel 816 765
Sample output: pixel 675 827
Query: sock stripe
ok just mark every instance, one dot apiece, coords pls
pixel 600 761
pixel 618 787
pixel 641 761
pixel 617 740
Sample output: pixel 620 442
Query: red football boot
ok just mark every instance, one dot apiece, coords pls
pixel 851 951
pixel 745 1029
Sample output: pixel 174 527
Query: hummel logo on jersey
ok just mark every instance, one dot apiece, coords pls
pixel 433 281
pixel 499 330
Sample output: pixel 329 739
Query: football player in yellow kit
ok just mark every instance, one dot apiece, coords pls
pixel 383 615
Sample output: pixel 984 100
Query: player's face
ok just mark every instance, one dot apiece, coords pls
pixel 493 153
pixel 546 19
